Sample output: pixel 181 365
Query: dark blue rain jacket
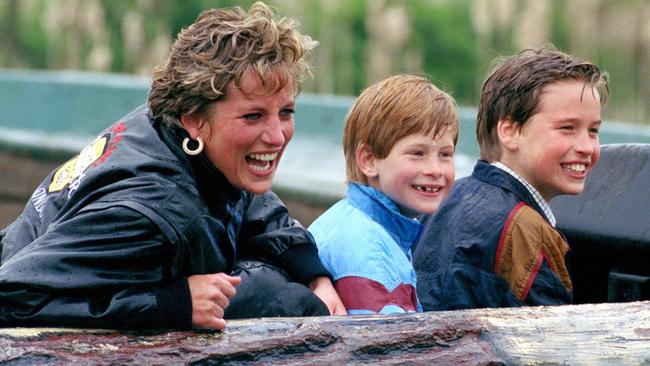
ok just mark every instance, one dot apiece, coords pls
pixel 109 238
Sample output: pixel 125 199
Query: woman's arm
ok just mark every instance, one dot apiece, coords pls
pixel 323 288
pixel 104 268
pixel 269 234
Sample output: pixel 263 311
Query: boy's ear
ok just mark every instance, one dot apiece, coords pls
pixel 192 124
pixel 508 133
pixel 366 160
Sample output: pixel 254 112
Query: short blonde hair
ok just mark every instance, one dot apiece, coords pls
pixel 392 109
pixel 219 49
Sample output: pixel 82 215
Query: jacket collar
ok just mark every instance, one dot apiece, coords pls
pixel 548 213
pixel 405 231
pixel 490 174
pixel 213 186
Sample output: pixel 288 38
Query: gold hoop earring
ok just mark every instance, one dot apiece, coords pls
pixel 196 151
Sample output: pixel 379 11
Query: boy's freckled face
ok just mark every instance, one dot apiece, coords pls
pixel 418 172
pixel 558 146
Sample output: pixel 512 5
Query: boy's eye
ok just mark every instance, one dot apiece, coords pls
pixel 416 153
pixel 446 153
pixel 594 130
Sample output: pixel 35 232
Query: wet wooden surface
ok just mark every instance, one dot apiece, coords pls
pixel 600 334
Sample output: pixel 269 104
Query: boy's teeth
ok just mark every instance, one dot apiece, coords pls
pixel 427 189
pixel 578 168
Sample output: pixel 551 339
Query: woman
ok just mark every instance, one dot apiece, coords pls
pixel 140 229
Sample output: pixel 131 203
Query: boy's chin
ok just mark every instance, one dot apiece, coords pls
pixel 420 210
pixel 569 190
pixel 409 211
pixel 574 192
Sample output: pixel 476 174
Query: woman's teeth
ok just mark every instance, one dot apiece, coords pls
pixel 260 162
pixel 263 157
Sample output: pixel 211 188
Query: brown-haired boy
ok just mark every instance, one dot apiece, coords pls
pixel 493 242
pixel 399 144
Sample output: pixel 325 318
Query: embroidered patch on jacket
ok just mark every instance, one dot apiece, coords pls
pixel 94 154
pixel 76 166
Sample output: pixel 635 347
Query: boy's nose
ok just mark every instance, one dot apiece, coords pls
pixel 586 144
pixel 433 168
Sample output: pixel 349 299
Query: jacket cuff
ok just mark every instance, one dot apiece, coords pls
pixel 303 264
pixel 175 305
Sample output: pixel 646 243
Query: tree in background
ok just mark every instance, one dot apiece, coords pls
pixel 451 41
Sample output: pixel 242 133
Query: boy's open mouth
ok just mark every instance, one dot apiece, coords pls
pixel 575 168
pixel 261 162
pixel 427 189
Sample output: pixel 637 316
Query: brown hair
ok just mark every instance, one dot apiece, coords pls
pixel 392 109
pixel 513 89
pixel 221 47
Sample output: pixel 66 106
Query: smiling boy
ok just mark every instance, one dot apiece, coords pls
pixel 399 144
pixel 493 243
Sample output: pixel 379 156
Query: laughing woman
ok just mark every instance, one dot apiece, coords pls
pixel 142 228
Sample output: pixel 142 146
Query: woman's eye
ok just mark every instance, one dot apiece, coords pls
pixel 287 112
pixel 416 153
pixel 252 116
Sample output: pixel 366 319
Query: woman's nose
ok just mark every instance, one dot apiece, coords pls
pixel 274 133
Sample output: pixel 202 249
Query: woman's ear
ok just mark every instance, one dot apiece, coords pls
pixel 508 132
pixel 192 124
pixel 366 160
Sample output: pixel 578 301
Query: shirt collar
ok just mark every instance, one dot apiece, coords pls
pixel 534 192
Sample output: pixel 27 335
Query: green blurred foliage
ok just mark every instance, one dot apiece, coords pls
pixel 443 41
pixel 353 15
pixel 444 34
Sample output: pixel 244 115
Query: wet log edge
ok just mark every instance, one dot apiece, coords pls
pixel 575 334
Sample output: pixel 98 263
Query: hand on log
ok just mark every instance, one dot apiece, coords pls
pixel 323 288
pixel 210 294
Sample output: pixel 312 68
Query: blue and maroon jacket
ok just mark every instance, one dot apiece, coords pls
pixel 490 245
pixel 365 243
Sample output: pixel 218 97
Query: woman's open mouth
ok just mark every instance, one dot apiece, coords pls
pixel 261 163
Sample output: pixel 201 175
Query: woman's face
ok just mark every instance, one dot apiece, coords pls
pixel 246 133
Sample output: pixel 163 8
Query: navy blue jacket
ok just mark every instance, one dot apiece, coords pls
pixel 109 238
pixel 490 245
